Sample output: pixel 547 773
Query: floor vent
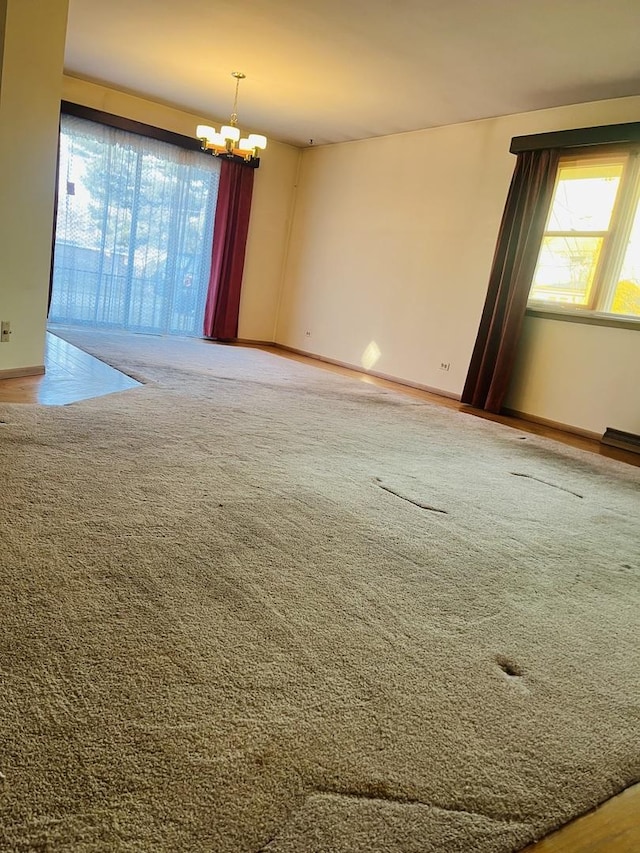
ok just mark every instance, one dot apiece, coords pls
pixel 623 440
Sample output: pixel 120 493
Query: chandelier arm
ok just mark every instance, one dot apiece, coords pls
pixel 228 140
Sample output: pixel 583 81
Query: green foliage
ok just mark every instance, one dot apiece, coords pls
pixel 139 204
pixel 626 299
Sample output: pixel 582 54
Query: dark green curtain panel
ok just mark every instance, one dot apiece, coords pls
pixel 514 263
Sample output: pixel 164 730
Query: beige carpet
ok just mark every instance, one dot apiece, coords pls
pixel 254 606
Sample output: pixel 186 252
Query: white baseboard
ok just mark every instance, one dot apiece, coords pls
pixel 407 383
pixel 15 372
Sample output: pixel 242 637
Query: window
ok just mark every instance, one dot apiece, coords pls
pixel 134 231
pixel 589 260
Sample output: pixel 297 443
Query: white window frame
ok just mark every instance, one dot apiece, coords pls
pixel 615 240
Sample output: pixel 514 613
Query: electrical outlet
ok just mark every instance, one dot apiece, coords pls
pixel 445 365
pixel 307 334
pixel 5 332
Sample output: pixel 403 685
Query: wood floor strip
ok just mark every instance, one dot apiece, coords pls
pixel 71 375
pixel 613 827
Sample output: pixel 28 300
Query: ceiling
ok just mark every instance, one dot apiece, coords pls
pixel 335 70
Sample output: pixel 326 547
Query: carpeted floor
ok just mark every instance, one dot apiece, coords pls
pixel 255 606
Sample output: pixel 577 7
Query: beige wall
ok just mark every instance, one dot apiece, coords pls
pixel 577 374
pixel 392 243
pixel 30 84
pixel 270 210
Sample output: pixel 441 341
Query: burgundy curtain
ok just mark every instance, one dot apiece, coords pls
pixel 229 243
pixel 514 263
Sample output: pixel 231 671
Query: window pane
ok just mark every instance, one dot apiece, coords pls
pixel 584 196
pixel 566 269
pixel 626 294
pixel 134 231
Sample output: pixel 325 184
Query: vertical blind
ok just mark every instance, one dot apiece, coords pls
pixel 134 231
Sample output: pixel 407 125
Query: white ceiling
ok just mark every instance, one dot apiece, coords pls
pixel 334 70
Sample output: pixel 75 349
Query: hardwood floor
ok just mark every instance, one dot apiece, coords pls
pixel 71 375
pixel 74 375
pixel 614 827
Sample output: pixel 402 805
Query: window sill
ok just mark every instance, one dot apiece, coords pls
pixel 592 318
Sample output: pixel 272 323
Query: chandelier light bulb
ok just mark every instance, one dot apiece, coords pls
pixel 227 141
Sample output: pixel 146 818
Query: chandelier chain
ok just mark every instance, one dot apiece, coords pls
pixel 234 113
pixel 228 142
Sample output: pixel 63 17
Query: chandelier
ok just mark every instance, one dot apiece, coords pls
pixel 227 142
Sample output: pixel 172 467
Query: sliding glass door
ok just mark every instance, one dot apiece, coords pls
pixel 134 231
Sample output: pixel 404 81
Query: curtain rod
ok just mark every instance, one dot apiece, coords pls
pixel 606 134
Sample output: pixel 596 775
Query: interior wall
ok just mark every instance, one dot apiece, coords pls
pixel 270 210
pixel 3 18
pixel 32 54
pixel 582 375
pixel 390 253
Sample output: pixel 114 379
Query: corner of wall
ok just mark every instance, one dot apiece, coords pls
pixel 287 244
